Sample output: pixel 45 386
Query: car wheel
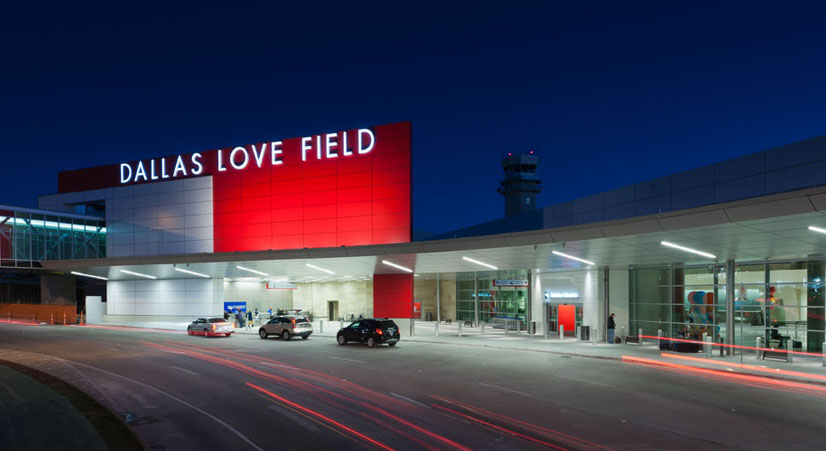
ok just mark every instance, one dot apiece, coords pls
pixel 391 344
pixel 262 333
pixel 286 335
pixel 228 335
pixel 371 342
pixel 341 340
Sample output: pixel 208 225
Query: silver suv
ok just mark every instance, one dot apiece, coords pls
pixel 286 327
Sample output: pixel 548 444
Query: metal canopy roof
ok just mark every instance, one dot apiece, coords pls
pixel 769 227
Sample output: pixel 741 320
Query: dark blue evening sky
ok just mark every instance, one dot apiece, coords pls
pixel 609 94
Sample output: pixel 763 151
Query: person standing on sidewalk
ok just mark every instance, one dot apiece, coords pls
pixel 611 326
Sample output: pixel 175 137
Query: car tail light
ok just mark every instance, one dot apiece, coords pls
pixel 379 331
pixel 293 321
pixel 213 326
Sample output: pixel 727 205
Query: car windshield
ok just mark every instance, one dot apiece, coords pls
pixel 300 319
pixel 217 320
pixel 387 324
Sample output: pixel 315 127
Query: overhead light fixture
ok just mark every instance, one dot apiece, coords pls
pixel 468 259
pixel 687 249
pixel 562 254
pixel 817 229
pixel 88 275
pixel 319 268
pixel 253 271
pixel 396 266
pixel 137 274
pixel 192 272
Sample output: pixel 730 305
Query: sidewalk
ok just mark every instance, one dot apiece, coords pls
pixel 35 417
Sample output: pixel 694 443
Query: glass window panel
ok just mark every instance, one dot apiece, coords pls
pixel 750 274
pixel 699 275
pixel 651 277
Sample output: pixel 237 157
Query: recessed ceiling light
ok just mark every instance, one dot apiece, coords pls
pixel 468 259
pixel 687 249
pixel 88 275
pixel 396 266
pixel 192 272
pixel 562 254
pixel 137 274
pixel 817 229
pixel 319 268
pixel 252 271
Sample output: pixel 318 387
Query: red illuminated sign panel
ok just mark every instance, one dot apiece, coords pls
pixel 336 189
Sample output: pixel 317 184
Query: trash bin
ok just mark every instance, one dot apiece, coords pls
pixel 585 333
pixel 428 316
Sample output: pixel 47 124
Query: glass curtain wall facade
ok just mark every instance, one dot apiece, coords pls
pixel 27 237
pixel 782 302
pixel 479 299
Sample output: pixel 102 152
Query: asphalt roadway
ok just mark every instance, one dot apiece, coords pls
pixel 181 392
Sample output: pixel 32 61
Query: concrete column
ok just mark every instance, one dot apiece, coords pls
pixel 438 302
pixel 606 302
pixel 729 306
pixel 529 303
pixel 476 298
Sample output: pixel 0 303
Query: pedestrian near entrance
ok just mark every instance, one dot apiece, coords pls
pixel 249 319
pixel 611 326
pixel 240 317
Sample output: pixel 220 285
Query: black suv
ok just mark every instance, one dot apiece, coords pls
pixel 371 331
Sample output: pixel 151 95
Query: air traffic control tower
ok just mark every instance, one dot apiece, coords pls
pixel 521 184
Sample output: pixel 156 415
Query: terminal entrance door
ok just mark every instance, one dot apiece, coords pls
pixel 567 315
pixel 332 310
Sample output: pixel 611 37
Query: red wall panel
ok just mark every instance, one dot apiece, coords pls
pixel 567 317
pixel 347 200
pixel 393 295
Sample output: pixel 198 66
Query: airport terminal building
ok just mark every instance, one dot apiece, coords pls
pixel 323 223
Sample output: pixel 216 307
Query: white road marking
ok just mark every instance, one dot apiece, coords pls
pixel 192 373
pixel 583 380
pixel 279 366
pixel 505 389
pixel 349 360
pixel 410 400
pixel 198 409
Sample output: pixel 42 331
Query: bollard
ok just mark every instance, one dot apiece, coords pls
pixel 437 328
pixel 321 326
pixel 341 324
pixel 824 353
pixel 639 337
pixel 483 327
pixel 707 345
pixel 516 322
pixel 561 331
pixel 790 351
pixel 659 339
pixel 506 326
pixel 758 343
pixel 594 336
pixel 460 327
pixel 622 334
